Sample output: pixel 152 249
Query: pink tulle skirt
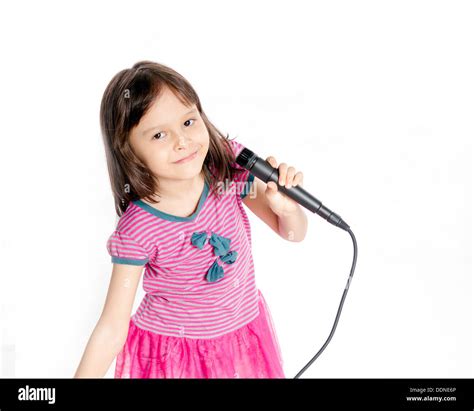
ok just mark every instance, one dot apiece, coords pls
pixel 252 351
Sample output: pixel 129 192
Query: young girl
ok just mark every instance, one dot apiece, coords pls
pixel 179 194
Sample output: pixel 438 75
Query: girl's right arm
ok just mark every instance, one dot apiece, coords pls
pixel 111 330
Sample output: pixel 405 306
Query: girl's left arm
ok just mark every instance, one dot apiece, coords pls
pixel 293 226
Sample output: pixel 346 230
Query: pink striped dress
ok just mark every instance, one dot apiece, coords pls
pixel 202 315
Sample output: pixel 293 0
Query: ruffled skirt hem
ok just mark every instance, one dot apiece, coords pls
pixel 252 351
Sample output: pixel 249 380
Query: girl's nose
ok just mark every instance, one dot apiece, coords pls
pixel 182 141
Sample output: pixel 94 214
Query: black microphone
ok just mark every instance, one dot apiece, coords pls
pixel 264 171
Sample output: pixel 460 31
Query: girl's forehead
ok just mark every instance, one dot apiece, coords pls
pixel 168 104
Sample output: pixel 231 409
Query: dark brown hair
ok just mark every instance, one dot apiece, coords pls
pixel 126 99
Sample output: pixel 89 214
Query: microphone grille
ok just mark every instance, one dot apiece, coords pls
pixel 244 157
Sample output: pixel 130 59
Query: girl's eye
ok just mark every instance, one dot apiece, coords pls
pixel 154 137
pixel 191 119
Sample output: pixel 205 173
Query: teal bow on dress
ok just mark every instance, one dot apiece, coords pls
pixel 199 239
pixel 216 272
pixel 221 244
pixel 221 248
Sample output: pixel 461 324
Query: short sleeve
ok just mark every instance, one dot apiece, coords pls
pixel 243 180
pixel 125 250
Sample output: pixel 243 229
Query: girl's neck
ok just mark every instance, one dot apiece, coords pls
pixel 182 195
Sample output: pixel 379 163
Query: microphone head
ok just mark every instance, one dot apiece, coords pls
pixel 243 159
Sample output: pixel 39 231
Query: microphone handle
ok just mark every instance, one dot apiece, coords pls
pixel 266 172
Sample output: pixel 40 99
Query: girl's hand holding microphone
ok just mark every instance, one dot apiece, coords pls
pixel 281 204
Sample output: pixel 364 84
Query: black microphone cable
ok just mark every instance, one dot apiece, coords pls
pixel 266 172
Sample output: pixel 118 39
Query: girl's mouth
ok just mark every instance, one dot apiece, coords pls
pixel 188 158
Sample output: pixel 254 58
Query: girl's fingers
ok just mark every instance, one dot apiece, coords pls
pixel 282 170
pixel 298 180
pixel 289 177
pixel 272 161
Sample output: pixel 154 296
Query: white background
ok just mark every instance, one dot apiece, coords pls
pixel 372 100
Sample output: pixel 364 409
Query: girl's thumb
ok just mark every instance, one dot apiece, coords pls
pixel 272 185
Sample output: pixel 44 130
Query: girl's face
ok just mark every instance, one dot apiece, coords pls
pixel 168 132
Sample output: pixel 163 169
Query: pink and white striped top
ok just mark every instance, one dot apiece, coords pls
pixel 180 300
